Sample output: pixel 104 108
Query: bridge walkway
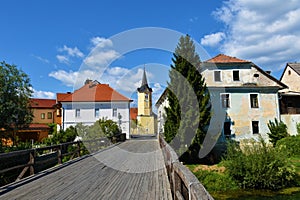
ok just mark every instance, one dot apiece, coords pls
pixel 131 170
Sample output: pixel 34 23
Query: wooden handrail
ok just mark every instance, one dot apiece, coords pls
pixel 60 150
pixel 184 184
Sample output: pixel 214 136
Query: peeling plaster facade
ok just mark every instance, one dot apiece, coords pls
pixel 245 93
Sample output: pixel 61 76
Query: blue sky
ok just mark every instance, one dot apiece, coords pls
pixel 52 41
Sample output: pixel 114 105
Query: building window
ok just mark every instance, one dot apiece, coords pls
pixel 236 75
pixel 97 112
pixel 77 113
pixel 227 130
pixel 255 127
pixel 114 112
pixel 146 97
pixel 289 72
pixel 49 115
pixel 254 100
pixel 42 115
pixel 225 100
pixel 217 75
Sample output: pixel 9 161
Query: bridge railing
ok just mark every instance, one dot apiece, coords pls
pixel 18 164
pixel 184 184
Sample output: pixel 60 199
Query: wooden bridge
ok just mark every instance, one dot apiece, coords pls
pixel 135 169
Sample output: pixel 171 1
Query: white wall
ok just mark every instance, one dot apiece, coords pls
pixel 291 121
pixel 87 114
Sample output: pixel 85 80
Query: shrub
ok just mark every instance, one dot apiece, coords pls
pixel 298 128
pixel 278 130
pixel 68 135
pixel 289 145
pixel 258 166
pixel 214 181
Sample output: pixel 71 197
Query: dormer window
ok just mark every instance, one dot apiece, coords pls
pixel 236 75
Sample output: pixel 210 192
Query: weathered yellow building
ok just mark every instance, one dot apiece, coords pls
pixel 243 98
pixel 146 120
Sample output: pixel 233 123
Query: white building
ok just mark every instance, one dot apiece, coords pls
pixel 92 102
pixel 290 98
pixel 242 93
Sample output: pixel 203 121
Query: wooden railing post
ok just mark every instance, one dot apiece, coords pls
pixel 59 154
pixel 31 160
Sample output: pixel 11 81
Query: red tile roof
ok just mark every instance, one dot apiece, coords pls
pixel 61 96
pixel 133 113
pixel 221 58
pixel 42 103
pixel 93 92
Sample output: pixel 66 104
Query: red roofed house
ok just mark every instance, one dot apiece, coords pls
pixel 44 113
pixel 94 101
pixel 243 97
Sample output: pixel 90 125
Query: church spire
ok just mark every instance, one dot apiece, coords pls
pixel 144 86
pixel 144 80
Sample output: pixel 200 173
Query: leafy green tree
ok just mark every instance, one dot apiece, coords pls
pixel 109 127
pixel 15 93
pixel 188 114
pixel 100 129
pixel 278 130
pixel 62 136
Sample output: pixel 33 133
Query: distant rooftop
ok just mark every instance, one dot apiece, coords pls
pixel 295 66
pixel 42 103
pixel 221 58
pixel 92 91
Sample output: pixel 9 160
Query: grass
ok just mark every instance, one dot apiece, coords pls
pixel 221 186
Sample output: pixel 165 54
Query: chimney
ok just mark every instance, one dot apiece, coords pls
pixel 268 72
pixel 88 81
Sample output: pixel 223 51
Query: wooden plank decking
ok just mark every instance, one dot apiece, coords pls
pixel 131 170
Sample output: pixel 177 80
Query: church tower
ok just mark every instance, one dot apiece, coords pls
pixel 144 97
pixel 145 118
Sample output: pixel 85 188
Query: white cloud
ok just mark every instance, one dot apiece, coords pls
pixel 212 39
pixel 193 19
pixel 265 32
pixel 43 94
pixel 67 78
pixel 44 60
pixel 157 91
pixel 99 58
pixel 93 66
pixel 117 71
pixel 101 42
pixel 67 53
pixel 74 79
pixel 132 80
pixel 62 59
pixel 73 52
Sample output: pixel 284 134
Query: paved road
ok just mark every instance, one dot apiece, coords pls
pixel 131 170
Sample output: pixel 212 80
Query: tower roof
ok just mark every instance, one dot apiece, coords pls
pixel 144 80
pixel 144 87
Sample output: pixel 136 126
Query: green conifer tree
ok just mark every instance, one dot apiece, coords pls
pixel 188 114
